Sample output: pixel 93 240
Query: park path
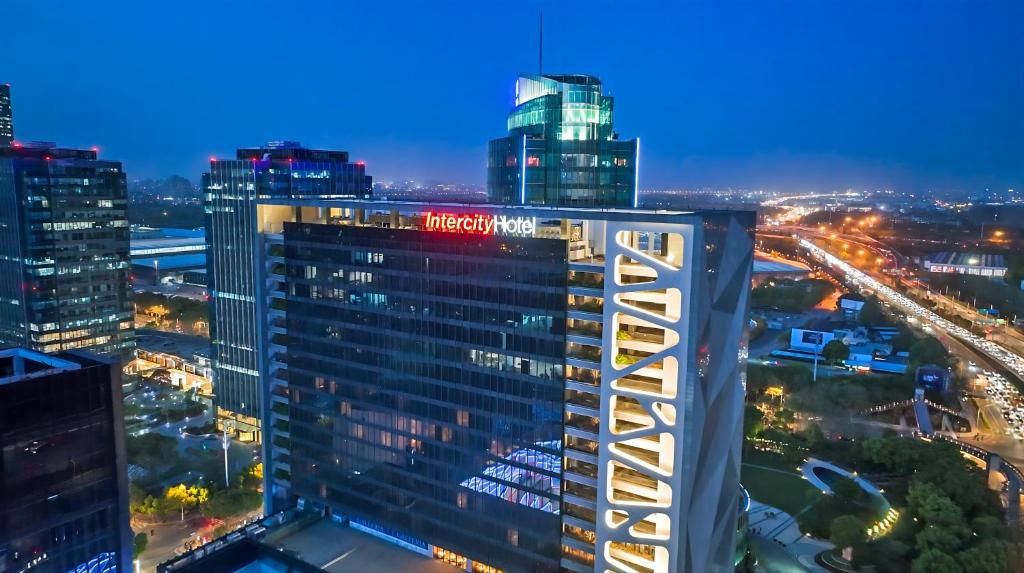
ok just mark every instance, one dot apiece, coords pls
pixel 778 542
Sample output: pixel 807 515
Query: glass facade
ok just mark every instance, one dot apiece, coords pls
pixel 426 380
pixel 64 252
pixel 402 338
pixel 6 119
pixel 276 170
pixel 561 149
pixel 63 485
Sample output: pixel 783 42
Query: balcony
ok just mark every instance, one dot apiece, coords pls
pixel 584 423
pixel 581 445
pixel 580 467
pixel 584 399
pixel 585 279
pixel 587 376
pixel 589 305
pixel 584 513
pixel 581 491
pixel 583 352
pixel 587 328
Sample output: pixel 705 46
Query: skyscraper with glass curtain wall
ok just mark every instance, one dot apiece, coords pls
pixel 64 252
pixel 561 148
pixel 280 169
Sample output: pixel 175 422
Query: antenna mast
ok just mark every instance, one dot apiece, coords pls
pixel 540 53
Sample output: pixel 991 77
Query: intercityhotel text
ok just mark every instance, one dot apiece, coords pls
pixel 480 224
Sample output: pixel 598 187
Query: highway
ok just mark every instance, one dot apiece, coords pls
pixel 1012 361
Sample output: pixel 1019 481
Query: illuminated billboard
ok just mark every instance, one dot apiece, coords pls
pixel 479 224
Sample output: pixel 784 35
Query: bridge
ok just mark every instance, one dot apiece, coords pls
pixel 993 461
pixel 921 406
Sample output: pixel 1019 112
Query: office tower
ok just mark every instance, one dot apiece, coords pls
pixel 6 116
pixel 277 170
pixel 63 484
pixel 64 252
pixel 508 388
pixel 561 148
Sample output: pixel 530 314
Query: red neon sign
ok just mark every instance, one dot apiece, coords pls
pixel 476 224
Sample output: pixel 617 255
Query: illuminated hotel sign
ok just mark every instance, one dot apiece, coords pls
pixel 479 224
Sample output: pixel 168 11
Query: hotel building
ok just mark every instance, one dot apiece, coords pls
pixel 550 382
pixel 508 388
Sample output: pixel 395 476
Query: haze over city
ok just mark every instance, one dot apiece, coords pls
pixel 789 96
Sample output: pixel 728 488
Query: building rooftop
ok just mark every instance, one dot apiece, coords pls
pixel 968 259
pixel 303 545
pixel 17 364
pixel 337 548
pixel 540 211
pixel 171 262
pixel 284 150
pixel 45 151
pixel 766 264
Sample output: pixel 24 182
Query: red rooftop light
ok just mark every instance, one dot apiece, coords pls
pixel 361 163
pixel 48 158
pixel 213 159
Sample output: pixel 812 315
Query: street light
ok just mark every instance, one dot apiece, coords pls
pixel 229 425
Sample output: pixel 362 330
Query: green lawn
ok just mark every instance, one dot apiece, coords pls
pixel 777 487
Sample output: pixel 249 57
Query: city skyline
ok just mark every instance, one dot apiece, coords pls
pixel 778 97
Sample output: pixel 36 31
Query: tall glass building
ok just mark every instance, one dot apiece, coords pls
pixel 64 252
pixel 508 388
pixel 6 117
pixel 282 169
pixel 561 148
pixel 63 483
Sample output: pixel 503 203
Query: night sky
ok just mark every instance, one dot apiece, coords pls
pixel 788 95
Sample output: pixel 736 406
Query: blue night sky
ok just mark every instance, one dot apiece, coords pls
pixel 792 95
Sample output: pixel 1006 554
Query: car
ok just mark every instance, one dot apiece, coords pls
pixel 771 362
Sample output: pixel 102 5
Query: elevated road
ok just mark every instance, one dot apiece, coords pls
pixel 1011 361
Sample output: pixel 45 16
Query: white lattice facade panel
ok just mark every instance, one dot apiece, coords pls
pixel 671 397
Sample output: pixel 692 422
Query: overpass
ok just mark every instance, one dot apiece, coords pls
pixel 993 461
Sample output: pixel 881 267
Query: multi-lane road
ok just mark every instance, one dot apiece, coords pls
pixel 1010 360
pixel 962 343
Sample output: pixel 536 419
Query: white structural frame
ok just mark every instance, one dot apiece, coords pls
pixel 640 503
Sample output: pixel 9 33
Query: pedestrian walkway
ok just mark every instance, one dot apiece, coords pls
pixel 779 543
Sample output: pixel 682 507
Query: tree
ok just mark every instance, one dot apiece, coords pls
pixel 847 531
pixel 935 561
pixel 928 502
pixel 139 544
pixel 753 421
pixel 946 538
pixel 182 496
pixel 928 350
pixel 871 313
pixel 835 351
pixel 988 557
pixel 814 435
pixel 232 502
